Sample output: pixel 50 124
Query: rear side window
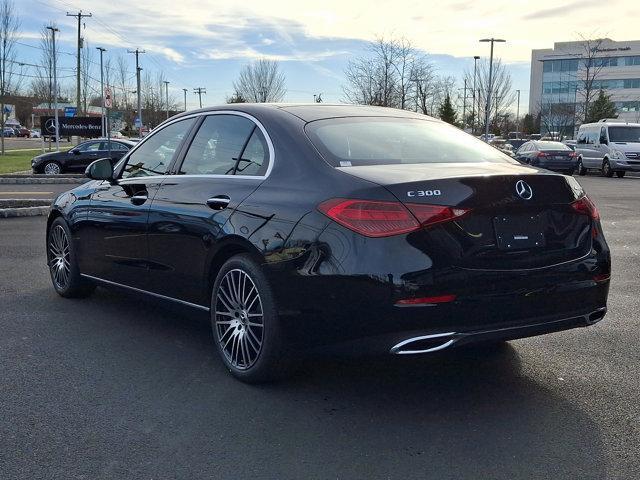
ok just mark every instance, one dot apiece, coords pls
pixel 155 154
pixel 345 142
pixel 553 146
pixel 217 146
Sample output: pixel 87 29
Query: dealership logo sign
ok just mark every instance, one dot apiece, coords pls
pixel 523 190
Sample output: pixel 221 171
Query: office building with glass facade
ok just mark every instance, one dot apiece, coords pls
pixel 558 75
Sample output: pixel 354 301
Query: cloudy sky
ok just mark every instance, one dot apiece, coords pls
pixel 204 43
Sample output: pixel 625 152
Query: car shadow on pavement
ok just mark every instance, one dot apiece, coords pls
pixel 150 376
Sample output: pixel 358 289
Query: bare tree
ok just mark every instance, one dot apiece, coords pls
pixel 589 69
pixel 502 93
pixel 425 82
pixel 87 86
pixel 123 82
pixel 9 25
pixel 556 119
pixel 260 82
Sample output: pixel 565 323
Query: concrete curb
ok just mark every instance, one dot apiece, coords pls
pixel 22 179
pixel 23 212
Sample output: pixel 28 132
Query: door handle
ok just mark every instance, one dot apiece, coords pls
pixel 138 199
pixel 218 203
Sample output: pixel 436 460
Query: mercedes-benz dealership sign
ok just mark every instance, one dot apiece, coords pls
pixel 88 127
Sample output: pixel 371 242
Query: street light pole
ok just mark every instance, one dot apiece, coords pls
pixel 138 90
pixel 166 95
pixel 473 107
pixel 185 99
pixel 102 50
pixel 488 109
pixel 55 84
pixel 518 111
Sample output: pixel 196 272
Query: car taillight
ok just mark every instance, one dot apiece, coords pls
pixel 541 154
pixel 573 154
pixel 585 206
pixel 431 214
pixel 384 219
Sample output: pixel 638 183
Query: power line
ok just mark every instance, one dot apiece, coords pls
pixel 199 91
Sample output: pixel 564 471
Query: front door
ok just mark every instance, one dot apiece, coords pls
pixel 81 156
pixel 224 164
pixel 118 212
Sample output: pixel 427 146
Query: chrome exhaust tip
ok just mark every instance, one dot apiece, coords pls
pixel 424 344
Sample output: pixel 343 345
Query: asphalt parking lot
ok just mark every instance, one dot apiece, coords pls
pixel 118 387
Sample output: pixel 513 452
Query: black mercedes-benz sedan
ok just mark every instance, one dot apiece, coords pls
pixel 306 227
pixel 79 157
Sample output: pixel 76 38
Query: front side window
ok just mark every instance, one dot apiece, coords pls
pixel 355 141
pixel 217 146
pixel 155 154
pixel 603 135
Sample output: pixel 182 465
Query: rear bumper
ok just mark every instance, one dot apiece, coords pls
pixel 558 165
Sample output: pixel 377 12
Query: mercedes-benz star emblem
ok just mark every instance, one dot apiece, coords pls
pixel 523 190
pixel 50 126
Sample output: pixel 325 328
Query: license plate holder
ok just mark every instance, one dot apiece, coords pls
pixel 519 232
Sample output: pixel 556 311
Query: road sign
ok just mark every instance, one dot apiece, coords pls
pixel 70 111
pixel 137 123
pixel 108 102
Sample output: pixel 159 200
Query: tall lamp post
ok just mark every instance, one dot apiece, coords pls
pixel 55 84
pixel 166 95
pixel 487 113
pixel 185 99
pixel 102 50
pixel 473 106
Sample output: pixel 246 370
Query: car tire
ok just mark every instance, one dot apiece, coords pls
pixel 606 169
pixel 52 168
pixel 245 323
pixel 63 263
pixel 620 174
pixel 581 170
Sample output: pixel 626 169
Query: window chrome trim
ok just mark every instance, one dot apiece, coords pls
pixel 139 290
pixel 272 153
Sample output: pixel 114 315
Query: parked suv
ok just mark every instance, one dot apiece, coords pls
pixel 611 146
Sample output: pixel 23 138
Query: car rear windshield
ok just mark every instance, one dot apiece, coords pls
pixel 552 146
pixel 356 141
pixel 624 134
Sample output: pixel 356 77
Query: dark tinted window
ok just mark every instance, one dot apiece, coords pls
pixel 154 155
pixel 255 156
pixel 552 146
pixel 90 147
pixel 115 146
pixel 217 145
pixel 383 141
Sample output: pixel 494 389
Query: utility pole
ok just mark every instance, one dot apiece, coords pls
pixel 473 106
pixel 488 110
pixel 464 105
pixel 102 50
pixel 518 112
pixel 79 16
pixel 138 69
pixel 55 85
pixel 199 91
pixel 166 94
pixel 185 99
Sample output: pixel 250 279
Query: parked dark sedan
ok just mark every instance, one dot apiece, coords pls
pixel 554 156
pixel 300 227
pixel 78 158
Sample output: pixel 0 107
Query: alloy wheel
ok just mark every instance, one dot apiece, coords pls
pixel 59 257
pixel 239 319
pixel 52 169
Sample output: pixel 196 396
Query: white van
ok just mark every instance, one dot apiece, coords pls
pixel 611 146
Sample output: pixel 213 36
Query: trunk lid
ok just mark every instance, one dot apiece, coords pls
pixel 519 217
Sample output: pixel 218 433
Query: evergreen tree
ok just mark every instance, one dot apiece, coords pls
pixel 601 108
pixel 446 111
pixel 528 126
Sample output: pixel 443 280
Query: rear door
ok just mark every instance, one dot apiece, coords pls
pixel 224 163
pixel 116 226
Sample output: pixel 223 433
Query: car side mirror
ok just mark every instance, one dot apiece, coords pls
pixel 101 169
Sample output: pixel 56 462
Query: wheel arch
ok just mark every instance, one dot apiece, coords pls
pixel 227 248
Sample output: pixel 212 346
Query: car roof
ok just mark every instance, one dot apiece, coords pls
pixel 310 112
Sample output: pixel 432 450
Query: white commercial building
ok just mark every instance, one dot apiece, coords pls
pixel 558 77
